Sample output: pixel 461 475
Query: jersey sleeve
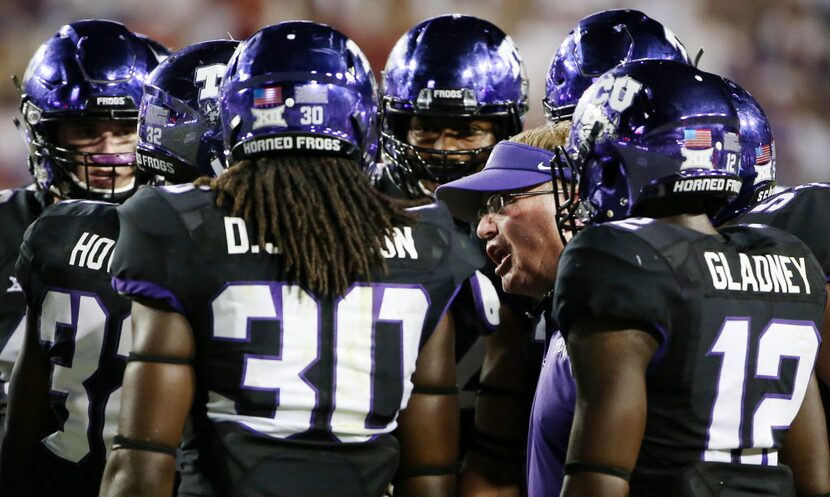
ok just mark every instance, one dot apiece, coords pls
pixel 800 212
pixel 18 210
pixel 150 258
pixel 25 259
pixel 608 272
pixel 449 258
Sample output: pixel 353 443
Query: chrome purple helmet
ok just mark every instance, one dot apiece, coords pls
pixel 299 87
pixel 650 138
pixel 757 155
pixel 451 66
pixel 90 70
pixel 180 137
pixel 597 44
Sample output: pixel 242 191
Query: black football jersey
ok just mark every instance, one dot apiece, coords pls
pixel 275 361
pixel 737 319
pixel 800 211
pixel 84 331
pixel 18 209
pixel 475 312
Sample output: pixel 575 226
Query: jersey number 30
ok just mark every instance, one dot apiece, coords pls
pixel 356 362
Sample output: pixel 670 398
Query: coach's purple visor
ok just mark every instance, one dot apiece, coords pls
pixel 511 166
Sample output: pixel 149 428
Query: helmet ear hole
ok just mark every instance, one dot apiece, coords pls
pixel 610 173
pixel 398 124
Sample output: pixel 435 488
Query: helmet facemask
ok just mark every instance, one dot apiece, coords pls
pixel 448 68
pixel 572 214
pixel 69 171
pixel 83 83
pixel 414 164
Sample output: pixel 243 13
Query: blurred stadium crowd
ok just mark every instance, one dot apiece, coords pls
pixel 778 49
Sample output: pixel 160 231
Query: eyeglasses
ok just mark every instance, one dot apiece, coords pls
pixel 496 202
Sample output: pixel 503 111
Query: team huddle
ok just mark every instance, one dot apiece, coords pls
pixel 245 268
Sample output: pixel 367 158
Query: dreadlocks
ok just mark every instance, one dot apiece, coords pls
pixel 322 214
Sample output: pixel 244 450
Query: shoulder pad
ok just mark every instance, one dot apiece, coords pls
pixel 78 208
pixel 618 271
pixel 18 209
pixel 165 210
pixel 796 211
pixel 150 222
pixel 444 245
pixel 73 233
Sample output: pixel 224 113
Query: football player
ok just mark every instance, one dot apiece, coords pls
pixel 597 43
pixel 453 86
pixel 288 306
pixel 793 210
pixel 78 108
pixel 692 348
pixel 78 335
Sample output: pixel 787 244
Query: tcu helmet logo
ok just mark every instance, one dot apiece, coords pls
pixel 210 77
pixel 617 94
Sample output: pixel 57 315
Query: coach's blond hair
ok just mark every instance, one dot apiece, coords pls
pixel 545 137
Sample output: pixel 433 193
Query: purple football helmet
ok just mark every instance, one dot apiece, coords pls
pixel 650 138
pixel 179 134
pixel 757 155
pixel 451 66
pixel 89 70
pixel 597 44
pixel 299 87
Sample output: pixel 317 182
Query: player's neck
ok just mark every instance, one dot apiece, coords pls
pixel 697 222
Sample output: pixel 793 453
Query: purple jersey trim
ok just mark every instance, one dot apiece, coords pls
pixel 449 302
pixel 478 298
pixel 147 290
pixel 426 336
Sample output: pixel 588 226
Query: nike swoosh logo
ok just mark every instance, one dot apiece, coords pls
pixel 542 167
